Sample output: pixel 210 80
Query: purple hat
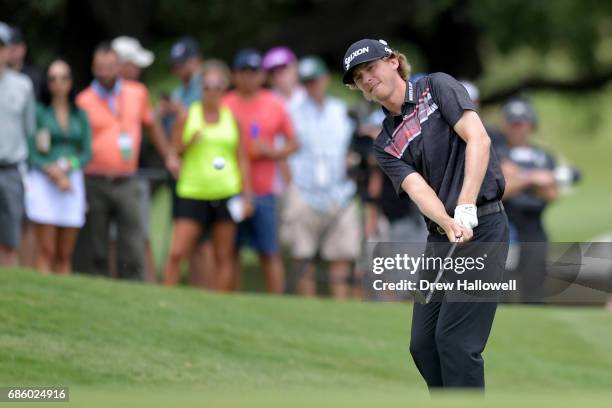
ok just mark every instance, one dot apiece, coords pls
pixel 278 57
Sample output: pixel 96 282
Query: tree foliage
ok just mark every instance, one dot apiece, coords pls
pixel 450 35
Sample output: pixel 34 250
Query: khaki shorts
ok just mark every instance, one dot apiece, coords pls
pixel 336 235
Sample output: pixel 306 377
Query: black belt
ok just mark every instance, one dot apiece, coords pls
pixel 8 166
pixel 482 211
pixel 109 178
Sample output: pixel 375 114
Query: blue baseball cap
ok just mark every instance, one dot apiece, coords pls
pixel 248 58
pixel 184 49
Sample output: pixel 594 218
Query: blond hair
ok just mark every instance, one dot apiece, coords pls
pixel 404 68
pixel 215 65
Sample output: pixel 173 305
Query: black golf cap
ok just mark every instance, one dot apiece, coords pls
pixel 363 51
pixel 519 110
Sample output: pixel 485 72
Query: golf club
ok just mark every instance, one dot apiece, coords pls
pixel 418 295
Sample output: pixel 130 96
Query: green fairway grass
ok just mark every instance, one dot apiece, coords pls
pixel 128 344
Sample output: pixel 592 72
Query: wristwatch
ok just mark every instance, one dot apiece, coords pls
pixel 63 164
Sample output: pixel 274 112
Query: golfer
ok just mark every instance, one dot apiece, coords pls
pixel 434 147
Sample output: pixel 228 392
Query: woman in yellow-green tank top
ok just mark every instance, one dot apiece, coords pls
pixel 209 168
pixel 213 175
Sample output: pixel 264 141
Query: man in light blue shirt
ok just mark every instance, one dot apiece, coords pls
pixel 186 61
pixel 320 215
pixel 16 124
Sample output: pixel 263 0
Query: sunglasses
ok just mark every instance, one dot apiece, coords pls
pixel 248 69
pixel 55 78
pixel 214 86
pixel 279 68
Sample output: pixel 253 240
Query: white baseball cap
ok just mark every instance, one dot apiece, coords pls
pixel 129 49
pixel 471 89
pixel 5 33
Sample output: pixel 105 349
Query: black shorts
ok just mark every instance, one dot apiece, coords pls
pixel 205 212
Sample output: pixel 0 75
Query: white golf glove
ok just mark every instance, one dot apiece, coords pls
pixel 467 215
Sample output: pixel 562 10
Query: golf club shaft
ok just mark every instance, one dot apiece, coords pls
pixel 440 273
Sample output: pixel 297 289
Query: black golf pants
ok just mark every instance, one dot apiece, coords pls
pixel 448 338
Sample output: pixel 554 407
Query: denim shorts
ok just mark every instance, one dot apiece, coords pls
pixel 260 231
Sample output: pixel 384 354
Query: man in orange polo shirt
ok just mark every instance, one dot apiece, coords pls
pixel 117 110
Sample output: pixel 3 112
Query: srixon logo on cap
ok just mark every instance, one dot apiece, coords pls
pixel 356 53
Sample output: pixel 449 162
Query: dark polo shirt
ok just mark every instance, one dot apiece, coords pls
pixel 422 140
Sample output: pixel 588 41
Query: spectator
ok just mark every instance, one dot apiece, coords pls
pixel 361 165
pixel 497 137
pixel 320 212
pixel 134 59
pixel 261 117
pixel 214 170
pixel 281 65
pixel 17 121
pixel 405 222
pixel 186 62
pixel 55 200
pixel 530 187
pixel 117 110
pixel 18 51
pixel 404 219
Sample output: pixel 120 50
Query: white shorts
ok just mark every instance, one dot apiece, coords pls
pixel 47 204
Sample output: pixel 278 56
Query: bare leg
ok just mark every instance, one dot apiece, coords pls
pixel 27 248
pixel 224 235
pixel 206 275
pixel 184 237
pixel 274 272
pixel 47 245
pixel 339 272
pixel 112 258
pixel 306 284
pixel 357 284
pixel 202 265
pixel 237 275
pixel 196 263
pixel 357 291
pixel 150 275
pixel 66 239
pixel 8 256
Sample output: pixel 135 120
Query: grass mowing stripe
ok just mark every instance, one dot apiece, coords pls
pixel 99 335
